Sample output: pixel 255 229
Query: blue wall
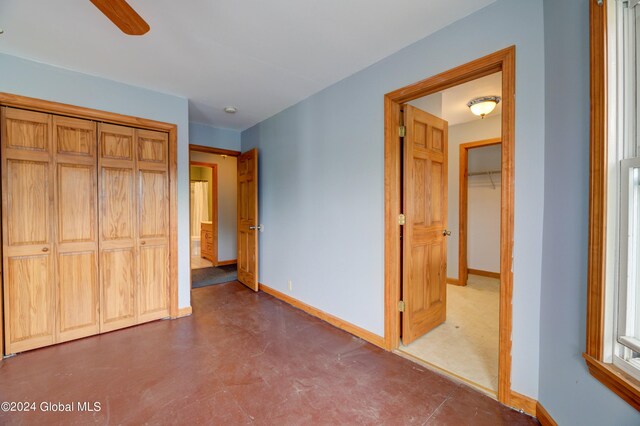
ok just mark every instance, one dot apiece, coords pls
pixel 567 390
pixel 322 178
pixel 205 135
pixel 28 78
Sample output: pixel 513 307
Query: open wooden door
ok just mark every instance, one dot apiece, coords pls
pixel 424 267
pixel 248 219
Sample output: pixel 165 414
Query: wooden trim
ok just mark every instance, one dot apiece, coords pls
pixel 523 403
pixel 210 150
pixel 454 281
pixel 173 221
pixel 58 108
pixel 463 208
pixel 597 181
pixel 214 206
pixel 184 312
pixel 49 107
pixel 227 262
pixel 333 320
pixel 543 416
pixel 625 386
pixel 392 209
pixel 503 60
pixel 484 273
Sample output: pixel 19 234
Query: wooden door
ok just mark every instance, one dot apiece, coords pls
pixel 424 268
pixel 117 230
pixel 76 212
pixel 248 219
pixel 28 230
pixel 153 225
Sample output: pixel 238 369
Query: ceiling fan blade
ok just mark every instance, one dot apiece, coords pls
pixel 123 15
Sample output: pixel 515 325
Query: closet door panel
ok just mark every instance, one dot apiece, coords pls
pixel 116 142
pixel 117 196
pixel 154 204
pixel 153 224
pixel 29 302
pixel 118 288
pixel 74 137
pixel 27 131
pixel 118 230
pixel 152 147
pixel 28 214
pixel 154 290
pixel 76 203
pixel 27 192
pixel 79 295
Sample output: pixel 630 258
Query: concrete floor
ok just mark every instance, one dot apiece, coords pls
pixel 466 345
pixel 241 358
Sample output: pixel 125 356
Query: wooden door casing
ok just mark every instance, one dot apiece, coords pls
pixel 424 269
pixel 247 219
pixel 28 230
pixel 76 213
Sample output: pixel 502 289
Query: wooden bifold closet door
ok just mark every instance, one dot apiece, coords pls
pixel 134 231
pixel 85 220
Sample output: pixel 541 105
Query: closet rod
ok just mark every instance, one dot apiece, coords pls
pixel 490 172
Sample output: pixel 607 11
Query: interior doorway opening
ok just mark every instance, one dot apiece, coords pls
pixel 454 323
pixel 417 226
pixel 213 215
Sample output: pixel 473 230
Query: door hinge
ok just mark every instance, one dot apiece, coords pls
pixel 401 306
pixel 402 220
pixel 403 131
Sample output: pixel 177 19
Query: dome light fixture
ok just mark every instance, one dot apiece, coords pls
pixel 230 109
pixel 483 105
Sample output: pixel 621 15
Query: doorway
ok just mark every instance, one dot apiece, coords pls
pixel 213 215
pixel 417 229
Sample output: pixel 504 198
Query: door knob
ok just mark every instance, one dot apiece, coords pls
pixel 446 233
pixel 259 228
pixel 45 249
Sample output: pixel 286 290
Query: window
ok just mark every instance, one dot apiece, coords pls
pixel 613 323
pixel 626 347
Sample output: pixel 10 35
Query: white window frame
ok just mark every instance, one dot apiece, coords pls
pixel 623 266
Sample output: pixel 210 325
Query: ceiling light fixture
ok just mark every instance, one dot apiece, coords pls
pixel 483 105
pixel 230 110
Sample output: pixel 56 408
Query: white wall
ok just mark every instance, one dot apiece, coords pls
pixel 227 199
pixel 431 104
pixel 483 205
pixel 214 137
pixel 23 77
pixel 472 131
pixel 321 178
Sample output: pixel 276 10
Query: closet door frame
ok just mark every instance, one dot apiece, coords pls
pixel 49 107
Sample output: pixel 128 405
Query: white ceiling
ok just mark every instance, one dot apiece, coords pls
pixel 261 56
pixel 452 103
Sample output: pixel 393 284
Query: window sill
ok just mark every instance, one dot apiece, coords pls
pixel 625 386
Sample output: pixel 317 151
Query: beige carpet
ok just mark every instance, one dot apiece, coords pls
pixel 467 343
